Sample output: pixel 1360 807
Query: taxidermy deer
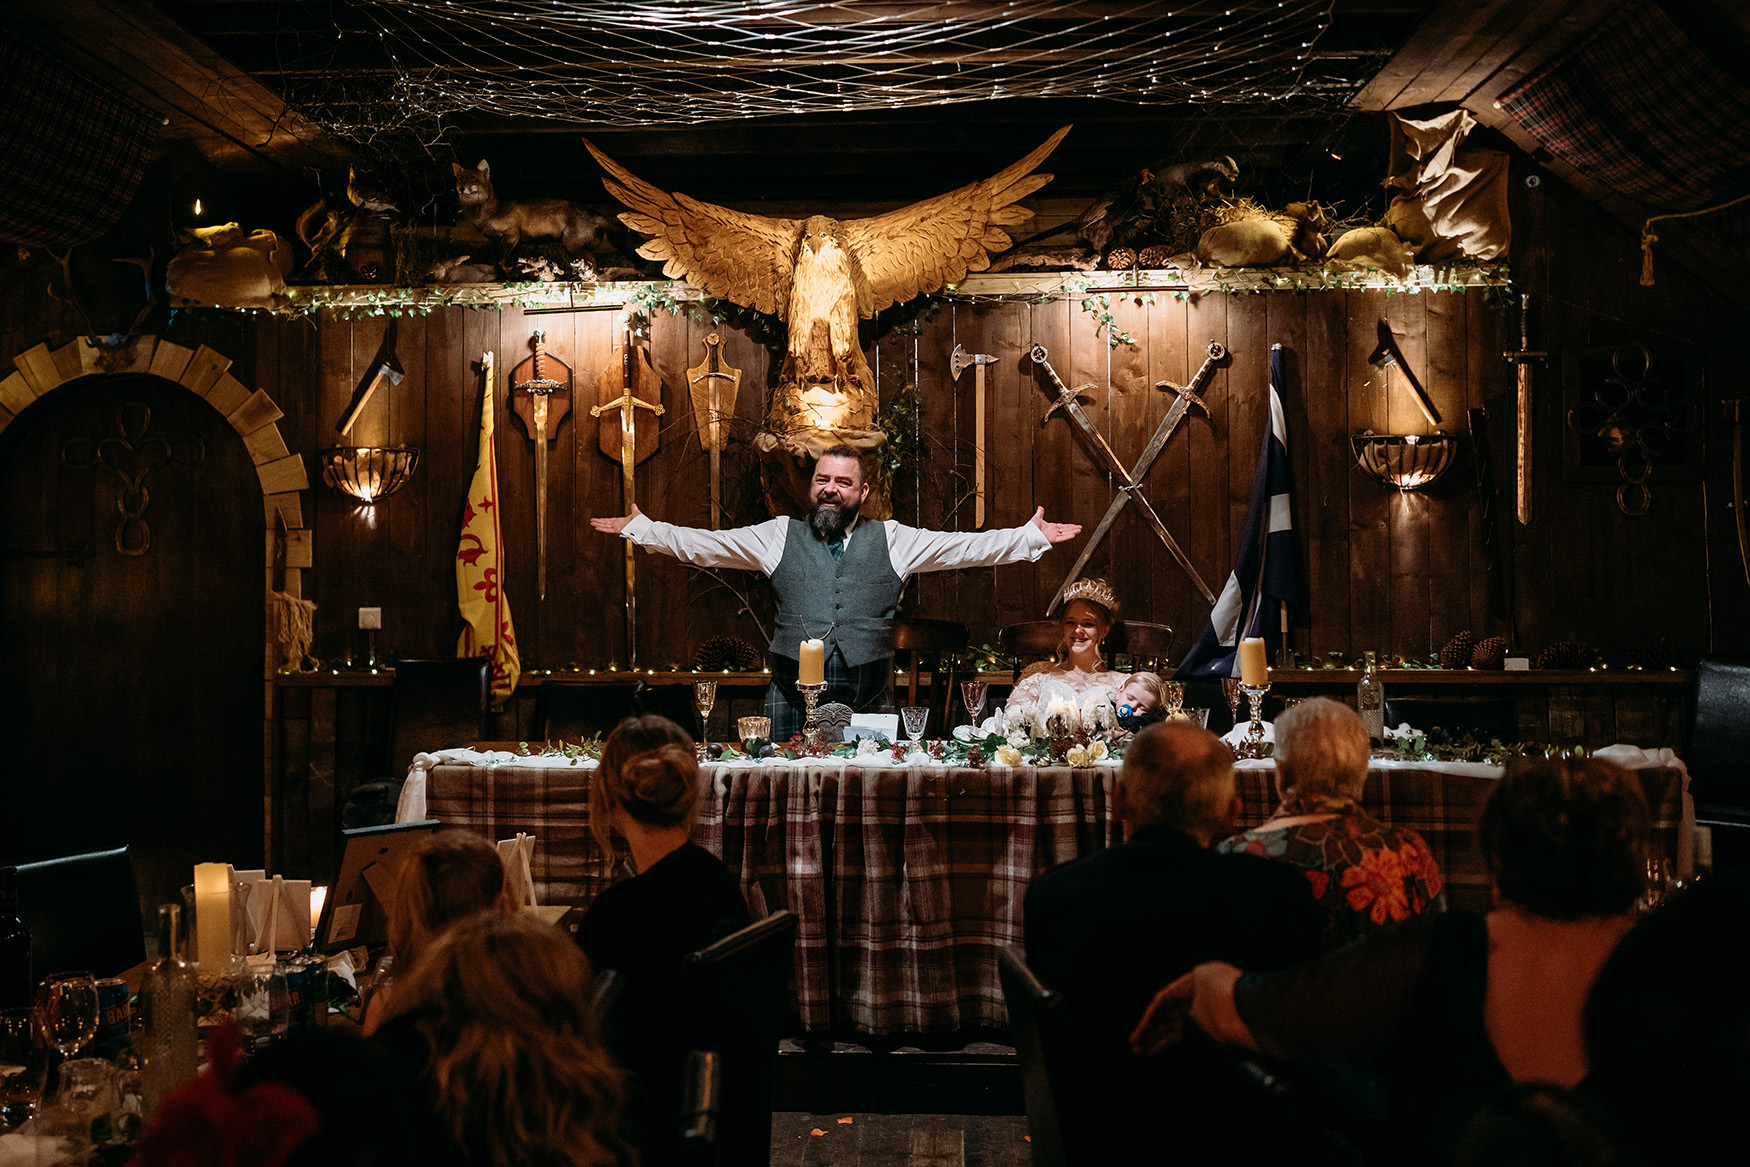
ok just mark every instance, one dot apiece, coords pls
pixel 509 222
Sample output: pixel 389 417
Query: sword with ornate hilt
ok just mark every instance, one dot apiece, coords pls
pixel 957 362
pixel 625 387
pixel 540 394
pixel 713 388
pixel 1187 399
pixel 1070 401
pixel 1522 362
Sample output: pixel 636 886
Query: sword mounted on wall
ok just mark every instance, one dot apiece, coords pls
pixel 626 385
pixel 540 394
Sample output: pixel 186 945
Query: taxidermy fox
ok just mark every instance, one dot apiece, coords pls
pixel 509 222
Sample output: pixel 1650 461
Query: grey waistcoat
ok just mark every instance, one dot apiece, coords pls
pixel 854 596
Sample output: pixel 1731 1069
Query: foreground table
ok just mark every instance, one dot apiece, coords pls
pixel 907 881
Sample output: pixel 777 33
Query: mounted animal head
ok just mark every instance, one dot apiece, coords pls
pixel 474 187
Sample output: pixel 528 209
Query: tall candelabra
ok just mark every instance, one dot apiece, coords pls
pixel 810 729
pixel 1253 746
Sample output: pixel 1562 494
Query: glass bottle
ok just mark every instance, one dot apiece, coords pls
pixel 167 1015
pixel 1370 699
pixel 15 982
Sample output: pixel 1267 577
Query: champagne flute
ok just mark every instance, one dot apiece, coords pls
pixel 1230 688
pixel 705 697
pixel 973 693
pixel 916 717
pixel 66 1009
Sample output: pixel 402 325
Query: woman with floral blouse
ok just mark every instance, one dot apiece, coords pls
pixel 1364 874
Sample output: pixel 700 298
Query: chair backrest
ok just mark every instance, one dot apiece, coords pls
pixel 571 711
pixel 1719 738
pixel 918 639
pixel 83 912
pixel 1145 643
pixel 1030 638
pixel 1045 1046
pixel 701 1108
pixel 736 993
pixel 436 704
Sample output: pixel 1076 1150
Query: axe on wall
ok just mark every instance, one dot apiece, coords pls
pixel 1388 356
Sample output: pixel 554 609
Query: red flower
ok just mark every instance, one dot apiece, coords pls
pixel 1320 880
pixel 206 1124
pixel 1418 861
pixel 1376 885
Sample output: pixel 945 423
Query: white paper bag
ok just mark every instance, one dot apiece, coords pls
pixel 519 879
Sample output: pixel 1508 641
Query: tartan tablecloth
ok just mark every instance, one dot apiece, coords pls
pixel 907 881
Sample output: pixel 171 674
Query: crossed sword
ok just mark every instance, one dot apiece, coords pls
pixel 1070 401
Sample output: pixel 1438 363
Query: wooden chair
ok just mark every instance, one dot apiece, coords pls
pixel 570 710
pixel 1028 639
pixel 734 994
pixel 1047 1048
pixel 434 705
pixel 944 638
pixel 1719 748
pixel 83 911
pixel 1143 643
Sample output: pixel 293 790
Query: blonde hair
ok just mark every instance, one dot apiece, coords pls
pixel 517 1069
pixel 648 769
pixel 1322 749
pixel 447 876
pixel 1151 684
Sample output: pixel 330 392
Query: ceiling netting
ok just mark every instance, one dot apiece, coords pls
pixel 401 65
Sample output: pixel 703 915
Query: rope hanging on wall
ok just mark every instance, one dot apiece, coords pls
pixel 626 63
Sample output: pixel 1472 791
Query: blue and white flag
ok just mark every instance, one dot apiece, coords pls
pixel 1265 575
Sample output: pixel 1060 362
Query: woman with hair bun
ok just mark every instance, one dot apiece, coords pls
pixel 681 899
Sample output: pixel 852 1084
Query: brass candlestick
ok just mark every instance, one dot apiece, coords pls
pixel 1253 746
pixel 810 698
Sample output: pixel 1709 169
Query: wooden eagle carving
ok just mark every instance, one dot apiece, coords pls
pixel 820 275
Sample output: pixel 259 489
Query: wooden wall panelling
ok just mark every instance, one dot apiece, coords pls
pixel 516 485
pixel 1136 409
pixel 346 567
pixel 556 617
pixel 1013 405
pixel 1322 462
pixel 1248 402
pixel 1207 534
pixel 1163 593
pixel 596 633
pixel 1059 454
pixel 1084 359
pixel 448 445
pixel 673 613
pixel 942 496
pixel 1369 503
pixel 404 518
pixel 1489 387
pixel 1408 515
pixel 323 805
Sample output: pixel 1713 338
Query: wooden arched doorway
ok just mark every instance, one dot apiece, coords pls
pixel 131 586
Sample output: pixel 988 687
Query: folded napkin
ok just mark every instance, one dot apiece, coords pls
pixel 1237 734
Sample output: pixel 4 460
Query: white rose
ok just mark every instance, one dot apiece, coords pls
pixel 1078 756
pixel 1008 756
pixel 867 746
pixel 1096 752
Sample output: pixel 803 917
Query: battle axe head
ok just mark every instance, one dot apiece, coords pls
pixel 1385 355
pixel 961 360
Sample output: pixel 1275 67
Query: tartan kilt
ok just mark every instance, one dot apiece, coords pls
pixel 864 688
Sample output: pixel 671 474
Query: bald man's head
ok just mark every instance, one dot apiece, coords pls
pixel 1177 775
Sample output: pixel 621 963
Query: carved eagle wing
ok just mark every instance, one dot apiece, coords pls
pixel 921 247
pixel 746 259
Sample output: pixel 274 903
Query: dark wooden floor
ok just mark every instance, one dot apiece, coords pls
pixel 899 1140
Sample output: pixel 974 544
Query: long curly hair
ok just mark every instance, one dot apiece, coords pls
pixel 517 1070
pixel 649 770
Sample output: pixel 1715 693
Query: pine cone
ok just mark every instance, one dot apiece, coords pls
pixel 1120 259
pixel 1489 653
pixel 1567 654
pixel 1457 653
pixel 1154 257
pixel 726 653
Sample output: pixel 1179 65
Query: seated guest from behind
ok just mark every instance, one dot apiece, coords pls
pixel 1103 929
pixel 448 876
pixel 1455 1008
pixel 1365 875
pixel 499 1052
pixel 681 900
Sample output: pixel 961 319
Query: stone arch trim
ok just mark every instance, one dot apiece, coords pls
pixel 253 414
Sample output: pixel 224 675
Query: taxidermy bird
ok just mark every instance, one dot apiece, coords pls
pixel 820 275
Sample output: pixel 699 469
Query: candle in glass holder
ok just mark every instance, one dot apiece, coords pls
pixel 212 916
pixel 811 664
pixel 1254 668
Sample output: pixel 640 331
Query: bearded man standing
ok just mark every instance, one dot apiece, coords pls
pixel 837 579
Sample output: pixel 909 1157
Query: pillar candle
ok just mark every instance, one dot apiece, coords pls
pixel 1254 669
pixel 318 897
pixel 212 915
pixel 811 664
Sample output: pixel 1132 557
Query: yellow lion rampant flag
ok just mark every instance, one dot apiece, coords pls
pixel 480 566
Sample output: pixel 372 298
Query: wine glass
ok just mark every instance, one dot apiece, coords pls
pixel 1230 688
pixel 705 697
pixel 66 1010
pixel 915 717
pixel 23 1067
pixel 973 693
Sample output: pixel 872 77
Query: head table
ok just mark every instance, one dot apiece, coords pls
pixel 908 879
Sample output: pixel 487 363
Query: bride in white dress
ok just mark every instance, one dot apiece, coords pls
pixel 1088 610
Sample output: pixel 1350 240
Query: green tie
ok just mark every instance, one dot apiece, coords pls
pixel 837 547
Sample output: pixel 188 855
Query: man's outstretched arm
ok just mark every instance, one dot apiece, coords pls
pixel 755 548
pixel 913 549
pixel 1054 532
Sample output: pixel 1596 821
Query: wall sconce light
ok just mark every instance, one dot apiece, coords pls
pixel 1404 461
pixel 368 473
